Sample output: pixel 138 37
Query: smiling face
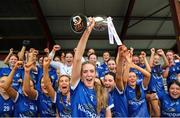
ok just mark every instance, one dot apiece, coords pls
pixel 12 61
pixel 64 84
pixel 109 82
pixel 174 91
pixel 92 58
pixel 156 60
pixel 69 59
pixel 88 74
pixel 106 56
pixel 132 79
pixel 111 65
pixel 170 56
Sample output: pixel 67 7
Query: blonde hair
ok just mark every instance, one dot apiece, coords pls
pixel 101 93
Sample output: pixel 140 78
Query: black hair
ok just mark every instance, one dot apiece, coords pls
pixel 173 82
pixel 138 92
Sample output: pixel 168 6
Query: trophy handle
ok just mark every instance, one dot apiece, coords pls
pixel 78 23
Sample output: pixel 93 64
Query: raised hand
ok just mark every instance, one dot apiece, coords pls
pixel 152 50
pixel 56 47
pixel 46 50
pixel 143 54
pixel 28 66
pixel 46 62
pixel 11 50
pixel 91 23
pixel 160 52
pixel 18 64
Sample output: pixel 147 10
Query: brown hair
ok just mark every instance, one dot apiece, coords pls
pixel 101 93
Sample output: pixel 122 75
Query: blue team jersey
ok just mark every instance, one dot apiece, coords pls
pixel 156 81
pixel 6 107
pixel 17 76
pixel 103 70
pixel 24 107
pixel 84 103
pixel 170 107
pixel 53 76
pixel 173 71
pixel 63 106
pixel 45 106
pixel 136 108
pixel 140 76
pixel 120 108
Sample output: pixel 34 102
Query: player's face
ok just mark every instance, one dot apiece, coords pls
pixel 64 85
pixel 111 65
pixel 156 60
pixel 88 75
pixel 109 82
pixel 12 61
pixel 106 56
pixel 69 59
pixel 174 91
pixel 132 79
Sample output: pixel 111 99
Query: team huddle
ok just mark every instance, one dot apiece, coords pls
pixel 71 86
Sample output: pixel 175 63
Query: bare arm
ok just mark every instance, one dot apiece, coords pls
pixel 145 73
pixel 161 52
pixel 7 85
pixel 121 71
pixel 152 57
pixel 8 56
pixel 47 81
pixel 79 53
pixel 21 53
pixel 32 94
pixel 148 68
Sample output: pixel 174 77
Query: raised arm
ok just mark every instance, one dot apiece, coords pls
pixel 79 52
pixel 122 69
pixel 7 85
pixel 152 57
pixel 145 73
pixel 46 78
pixel 148 68
pixel 32 94
pixel 161 53
pixel 8 56
pixel 55 48
pixel 21 53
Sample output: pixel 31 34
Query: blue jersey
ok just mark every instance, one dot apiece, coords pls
pixel 17 76
pixel 84 103
pixel 53 76
pixel 173 71
pixel 136 108
pixel 63 106
pixel 156 81
pixel 45 106
pixel 103 70
pixel 6 107
pixel 170 107
pixel 24 107
pixel 140 76
pixel 120 108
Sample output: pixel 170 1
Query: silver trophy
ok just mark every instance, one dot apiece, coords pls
pixel 79 22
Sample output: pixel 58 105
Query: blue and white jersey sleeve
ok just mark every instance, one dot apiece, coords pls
pixel 24 107
pixel 120 108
